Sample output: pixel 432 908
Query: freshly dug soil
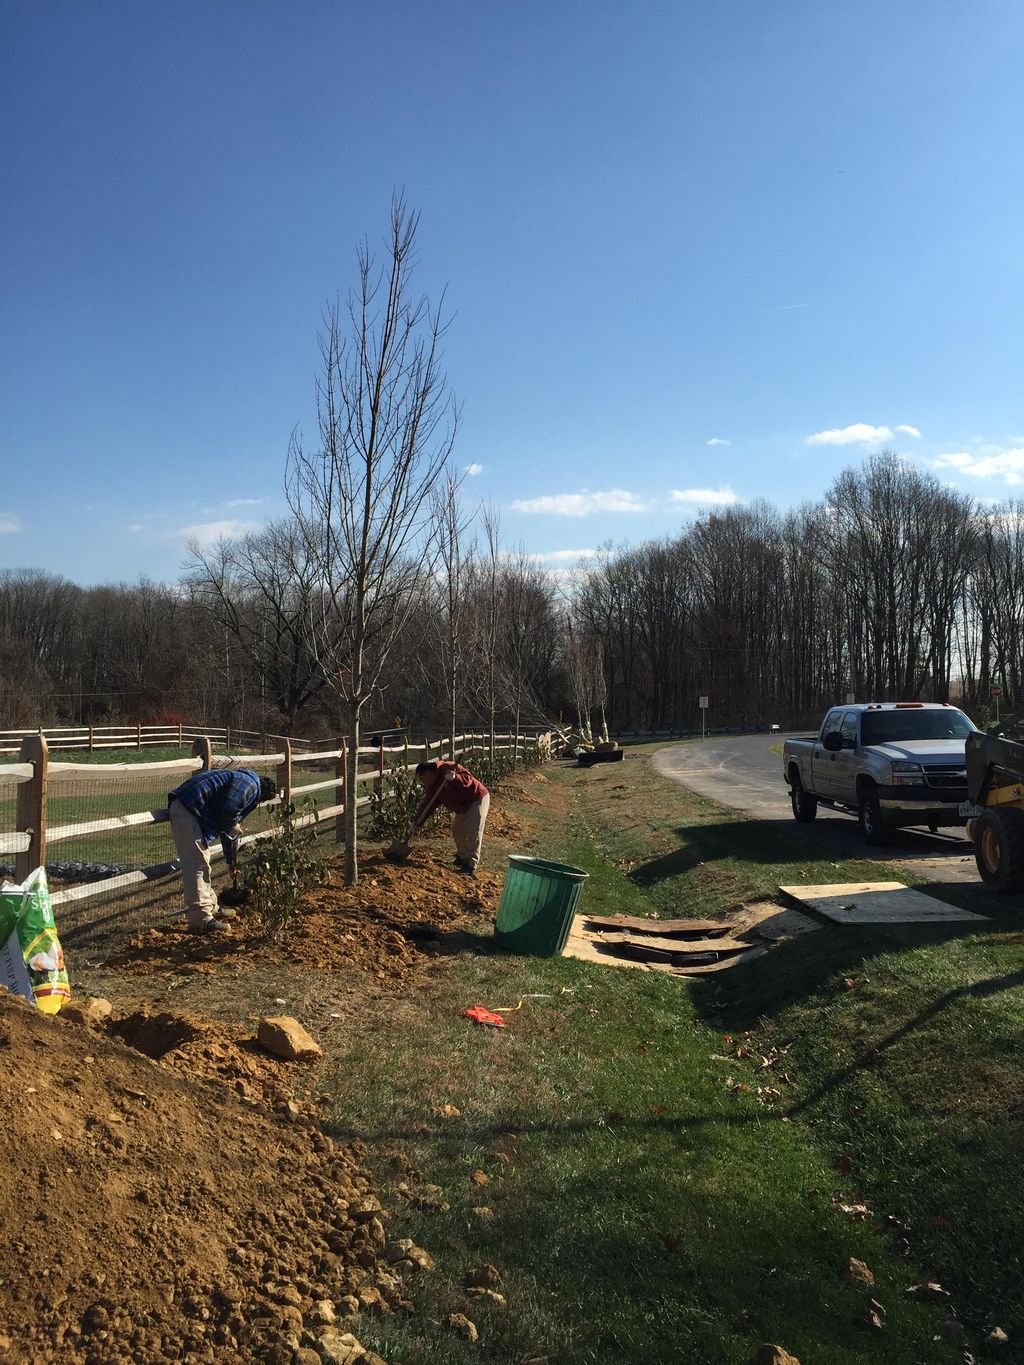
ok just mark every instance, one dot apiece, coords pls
pixel 379 927
pixel 153 1216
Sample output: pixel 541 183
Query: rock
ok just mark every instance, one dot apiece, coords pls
pixel 93 1011
pixel 323 1313
pixel 96 1318
pixel 397 1251
pixel 461 1325
pixel 306 1356
pixel 287 1294
pixel 490 1296
pixel 419 1258
pixel 483 1277
pixel 366 1209
pixel 339 1348
pixel 996 1339
pixel 285 1037
pixel 858 1274
pixel 347 1305
pixel 773 1355
pixel 482 1212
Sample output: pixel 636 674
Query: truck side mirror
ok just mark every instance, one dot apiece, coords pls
pixel 833 742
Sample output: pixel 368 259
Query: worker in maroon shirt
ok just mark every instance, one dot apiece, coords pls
pixel 464 795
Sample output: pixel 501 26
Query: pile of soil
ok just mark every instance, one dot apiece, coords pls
pixel 151 1216
pixel 386 926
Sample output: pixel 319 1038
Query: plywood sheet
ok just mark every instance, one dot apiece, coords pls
pixel 876 903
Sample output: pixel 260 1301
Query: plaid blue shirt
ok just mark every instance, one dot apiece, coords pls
pixel 219 798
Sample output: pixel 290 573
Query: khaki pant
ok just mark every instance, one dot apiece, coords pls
pixel 196 881
pixel 468 831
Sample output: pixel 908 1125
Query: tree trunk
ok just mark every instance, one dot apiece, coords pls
pixel 351 800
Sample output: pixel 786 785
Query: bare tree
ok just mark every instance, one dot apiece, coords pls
pixel 260 588
pixel 387 424
pixel 450 526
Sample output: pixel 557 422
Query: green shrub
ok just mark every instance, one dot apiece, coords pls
pixel 279 867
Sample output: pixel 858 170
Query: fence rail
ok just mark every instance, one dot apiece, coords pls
pixel 36 780
pixel 93 738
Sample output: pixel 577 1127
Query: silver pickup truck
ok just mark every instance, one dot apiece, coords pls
pixel 890 763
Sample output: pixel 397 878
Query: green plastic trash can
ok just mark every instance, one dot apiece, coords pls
pixel 538 902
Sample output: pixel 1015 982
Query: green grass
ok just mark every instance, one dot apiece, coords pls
pixel 649 1204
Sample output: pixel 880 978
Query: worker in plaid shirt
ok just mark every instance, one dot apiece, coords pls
pixel 211 805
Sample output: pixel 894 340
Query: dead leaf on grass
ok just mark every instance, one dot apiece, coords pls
pixel 447 1111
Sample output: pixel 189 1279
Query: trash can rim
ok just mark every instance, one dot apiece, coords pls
pixel 546 867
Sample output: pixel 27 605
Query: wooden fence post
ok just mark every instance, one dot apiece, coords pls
pixel 378 785
pixel 406 753
pixel 284 775
pixel 31 806
pixel 138 736
pixel 340 772
pixel 180 738
pixel 203 749
pixel 90 739
pixel 227 740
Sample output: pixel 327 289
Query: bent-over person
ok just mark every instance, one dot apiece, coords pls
pixel 211 805
pixel 466 797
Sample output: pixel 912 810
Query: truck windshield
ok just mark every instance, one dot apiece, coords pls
pixel 886 727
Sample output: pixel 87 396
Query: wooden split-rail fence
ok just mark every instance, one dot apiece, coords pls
pixel 37 779
pixel 93 738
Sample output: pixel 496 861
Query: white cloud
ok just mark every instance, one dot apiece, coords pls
pixel 562 556
pixel 718 441
pixel 473 469
pixel 244 502
pixel 909 431
pixel 582 504
pixel 1007 465
pixel 207 532
pixel 860 433
pixel 706 497
pixel 10 525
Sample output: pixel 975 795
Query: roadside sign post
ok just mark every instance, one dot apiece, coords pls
pixel 996 692
pixel 703 703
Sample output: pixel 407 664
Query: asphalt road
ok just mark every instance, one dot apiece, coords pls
pixel 742 772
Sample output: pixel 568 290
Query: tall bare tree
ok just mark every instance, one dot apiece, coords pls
pixel 450 527
pixel 387 422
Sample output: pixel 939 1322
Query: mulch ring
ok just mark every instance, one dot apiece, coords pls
pixel 387 926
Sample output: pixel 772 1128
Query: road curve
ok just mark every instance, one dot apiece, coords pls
pixel 741 772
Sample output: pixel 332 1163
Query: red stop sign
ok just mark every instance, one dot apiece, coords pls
pixel 996 691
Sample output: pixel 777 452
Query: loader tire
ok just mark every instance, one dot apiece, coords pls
pixel 999 848
pixel 805 806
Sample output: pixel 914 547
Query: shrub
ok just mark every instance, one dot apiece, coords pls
pixel 279 867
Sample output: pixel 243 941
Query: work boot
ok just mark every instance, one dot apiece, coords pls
pixel 467 869
pixel 225 912
pixel 209 926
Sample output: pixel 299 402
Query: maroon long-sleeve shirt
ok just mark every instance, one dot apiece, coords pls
pixel 459 791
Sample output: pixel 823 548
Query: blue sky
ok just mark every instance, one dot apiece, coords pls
pixel 660 225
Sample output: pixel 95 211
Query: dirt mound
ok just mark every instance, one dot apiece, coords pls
pixel 379 927
pixel 154 1217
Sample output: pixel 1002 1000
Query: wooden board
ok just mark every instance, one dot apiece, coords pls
pixel 751 929
pixel 637 924
pixel 876 903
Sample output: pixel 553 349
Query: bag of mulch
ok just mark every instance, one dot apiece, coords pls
pixel 31 958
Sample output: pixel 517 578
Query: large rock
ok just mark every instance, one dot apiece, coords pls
pixel 460 1324
pixel 339 1348
pixel 285 1037
pixel 93 1011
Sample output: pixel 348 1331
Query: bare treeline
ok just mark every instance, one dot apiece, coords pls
pixel 891 587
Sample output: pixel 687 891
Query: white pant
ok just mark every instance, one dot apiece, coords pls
pixel 468 831
pixel 196 880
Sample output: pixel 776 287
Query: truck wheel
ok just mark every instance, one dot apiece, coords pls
pixel 869 817
pixel 805 806
pixel 999 848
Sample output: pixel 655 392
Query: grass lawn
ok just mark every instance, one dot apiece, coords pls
pixel 653 1195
